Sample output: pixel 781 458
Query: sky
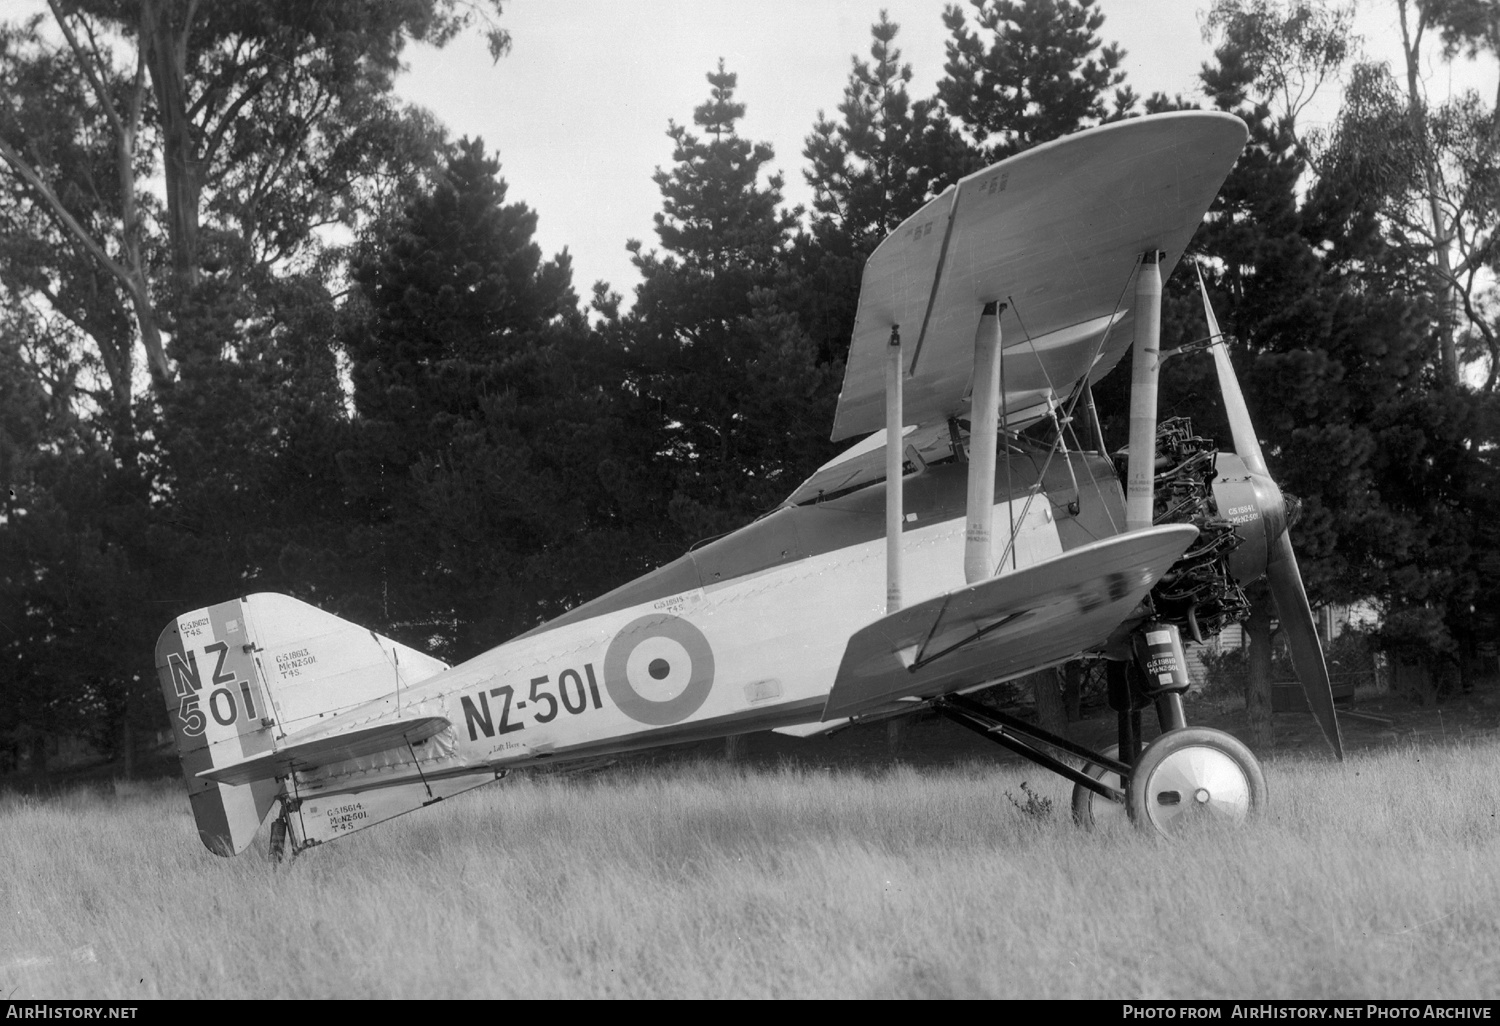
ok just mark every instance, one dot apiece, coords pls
pixel 578 110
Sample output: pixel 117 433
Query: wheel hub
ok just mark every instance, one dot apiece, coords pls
pixel 1218 785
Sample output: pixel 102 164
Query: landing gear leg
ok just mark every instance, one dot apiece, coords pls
pixel 1125 698
pixel 286 840
pixel 1169 712
pixel 1163 672
pixel 278 835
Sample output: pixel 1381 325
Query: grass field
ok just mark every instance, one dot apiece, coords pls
pixel 1377 878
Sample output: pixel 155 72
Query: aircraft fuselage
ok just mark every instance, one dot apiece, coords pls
pixel 742 634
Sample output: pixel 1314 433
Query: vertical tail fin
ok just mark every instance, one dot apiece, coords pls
pixel 220 714
pixel 240 676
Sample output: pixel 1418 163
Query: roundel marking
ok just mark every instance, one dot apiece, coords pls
pixel 659 669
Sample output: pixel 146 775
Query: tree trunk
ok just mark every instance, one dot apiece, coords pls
pixel 125 123
pixel 1258 681
pixel 37 764
pixel 1073 674
pixel 1414 678
pixel 127 740
pixel 895 735
pixel 1442 231
pixel 164 45
pixel 1051 714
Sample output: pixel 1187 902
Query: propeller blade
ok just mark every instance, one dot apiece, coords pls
pixel 1246 444
pixel 1281 563
pixel 1302 633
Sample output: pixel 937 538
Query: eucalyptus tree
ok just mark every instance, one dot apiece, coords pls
pixel 1435 165
pixel 170 172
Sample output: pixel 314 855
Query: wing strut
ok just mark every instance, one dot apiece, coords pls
pixel 984 429
pixel 894 513
pixel 937 274
pixel 1144 372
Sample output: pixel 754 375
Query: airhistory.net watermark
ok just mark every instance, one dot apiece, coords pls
pixel 1307 1010
pixel 49 1010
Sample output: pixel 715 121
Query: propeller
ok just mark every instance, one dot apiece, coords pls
pixel 1281 563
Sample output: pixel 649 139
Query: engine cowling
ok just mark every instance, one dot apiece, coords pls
pixel 1254 505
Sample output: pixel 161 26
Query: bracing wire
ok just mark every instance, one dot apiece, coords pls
pixel 1071 403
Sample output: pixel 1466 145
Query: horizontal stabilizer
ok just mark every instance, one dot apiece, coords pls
pixel 326 817
pixel 1005 626
pixel 301 755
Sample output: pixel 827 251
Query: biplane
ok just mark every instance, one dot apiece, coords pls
pixel 977 533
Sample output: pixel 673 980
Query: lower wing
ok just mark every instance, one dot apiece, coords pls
pixel 1004 626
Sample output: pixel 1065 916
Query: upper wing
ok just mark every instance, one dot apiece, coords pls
pixel 1055 232
pixel 1006 625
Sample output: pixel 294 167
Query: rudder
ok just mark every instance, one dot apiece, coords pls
pixel 219 712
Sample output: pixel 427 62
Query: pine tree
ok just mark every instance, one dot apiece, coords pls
pixel 1029 72
pixel 734 384
pixel 869 170
pixel 478 419
pixel 887 155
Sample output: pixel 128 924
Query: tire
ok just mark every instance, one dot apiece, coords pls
pixel 1195 776
pixel 1093 811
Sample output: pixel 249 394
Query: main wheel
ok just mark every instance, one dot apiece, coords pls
pixel 1195 775
pixel 1092 810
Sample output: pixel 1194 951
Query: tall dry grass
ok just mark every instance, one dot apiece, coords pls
pixel 1377 878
